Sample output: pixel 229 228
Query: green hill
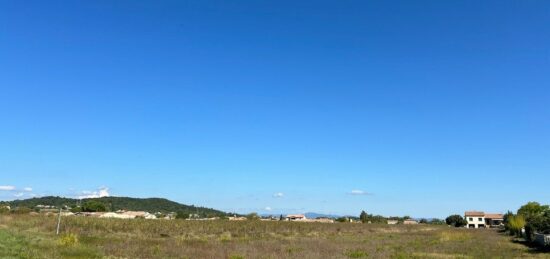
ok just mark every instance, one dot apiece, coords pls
pixel 151 205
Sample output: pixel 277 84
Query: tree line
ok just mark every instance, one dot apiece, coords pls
pixel 370 218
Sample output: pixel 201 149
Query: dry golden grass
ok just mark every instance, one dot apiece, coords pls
pixel 33 237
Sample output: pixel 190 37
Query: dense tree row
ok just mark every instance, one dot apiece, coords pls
pixel 370 218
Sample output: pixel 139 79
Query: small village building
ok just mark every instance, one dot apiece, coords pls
pixel 323 220
pixel 410 222
pixel 140 214
pixel 392 221
pixel 295 217
pixel 170 216
pixel 235 218
pixel 127 215
pixel 116 215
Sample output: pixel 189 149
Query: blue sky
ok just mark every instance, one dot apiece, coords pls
pixel 421 108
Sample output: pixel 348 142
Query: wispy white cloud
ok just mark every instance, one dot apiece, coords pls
pixel 268 208
pixel 278 195
pixel 101 192
pixel 359 192
pixel 20 193
pixel 7 188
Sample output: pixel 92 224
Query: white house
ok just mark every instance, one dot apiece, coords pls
pixel 475 219
pixel 480 219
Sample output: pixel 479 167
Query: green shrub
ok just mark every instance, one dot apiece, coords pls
pixel 514 224
pixel 4 209
pixel 93 206
pixel 456 221
pixel 437 222
pixel 21 210
pixel 253 216
pixel 182 215
pixel 225 237
pixel 69 239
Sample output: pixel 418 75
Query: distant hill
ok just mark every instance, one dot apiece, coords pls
pixel 309 215
pixel 313 215
pixel 151 205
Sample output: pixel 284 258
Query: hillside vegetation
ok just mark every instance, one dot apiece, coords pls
pixel 151 205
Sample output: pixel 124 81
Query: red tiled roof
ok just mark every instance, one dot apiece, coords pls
pixel 494 216
pixel 474 214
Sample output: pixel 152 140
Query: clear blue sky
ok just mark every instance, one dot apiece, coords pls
pixel 420 108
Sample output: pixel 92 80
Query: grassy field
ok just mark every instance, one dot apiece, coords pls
pixel 25 236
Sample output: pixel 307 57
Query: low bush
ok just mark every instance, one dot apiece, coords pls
pixel 69 239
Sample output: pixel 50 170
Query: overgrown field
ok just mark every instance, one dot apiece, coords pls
pixel 26 236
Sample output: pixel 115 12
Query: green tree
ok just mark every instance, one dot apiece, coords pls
pixel 182 215
pixel 437 222
pixel 456 221
pixel 378 219
pixel 93 206
pixel 21 210
pixel 76 209
pixel 253 216
pixel 515 224
pixel 506 217
pixel 535 215
pixel 364 217
pixel 423 221
pixel 342 219
pixel 532 209
pixel 281 218
pixel 540 223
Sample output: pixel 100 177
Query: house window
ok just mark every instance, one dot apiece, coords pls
pixel 479 219
pixel 471 219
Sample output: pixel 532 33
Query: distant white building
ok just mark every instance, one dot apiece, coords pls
pixel 236 218
pixel 116 215
pixel 295 217
pixel 410 222
pixel 322 220
pixel 128 215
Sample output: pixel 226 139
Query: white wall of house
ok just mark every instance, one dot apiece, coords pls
pixel 476 221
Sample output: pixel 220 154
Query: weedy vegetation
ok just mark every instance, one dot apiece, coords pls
pixel 28 236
